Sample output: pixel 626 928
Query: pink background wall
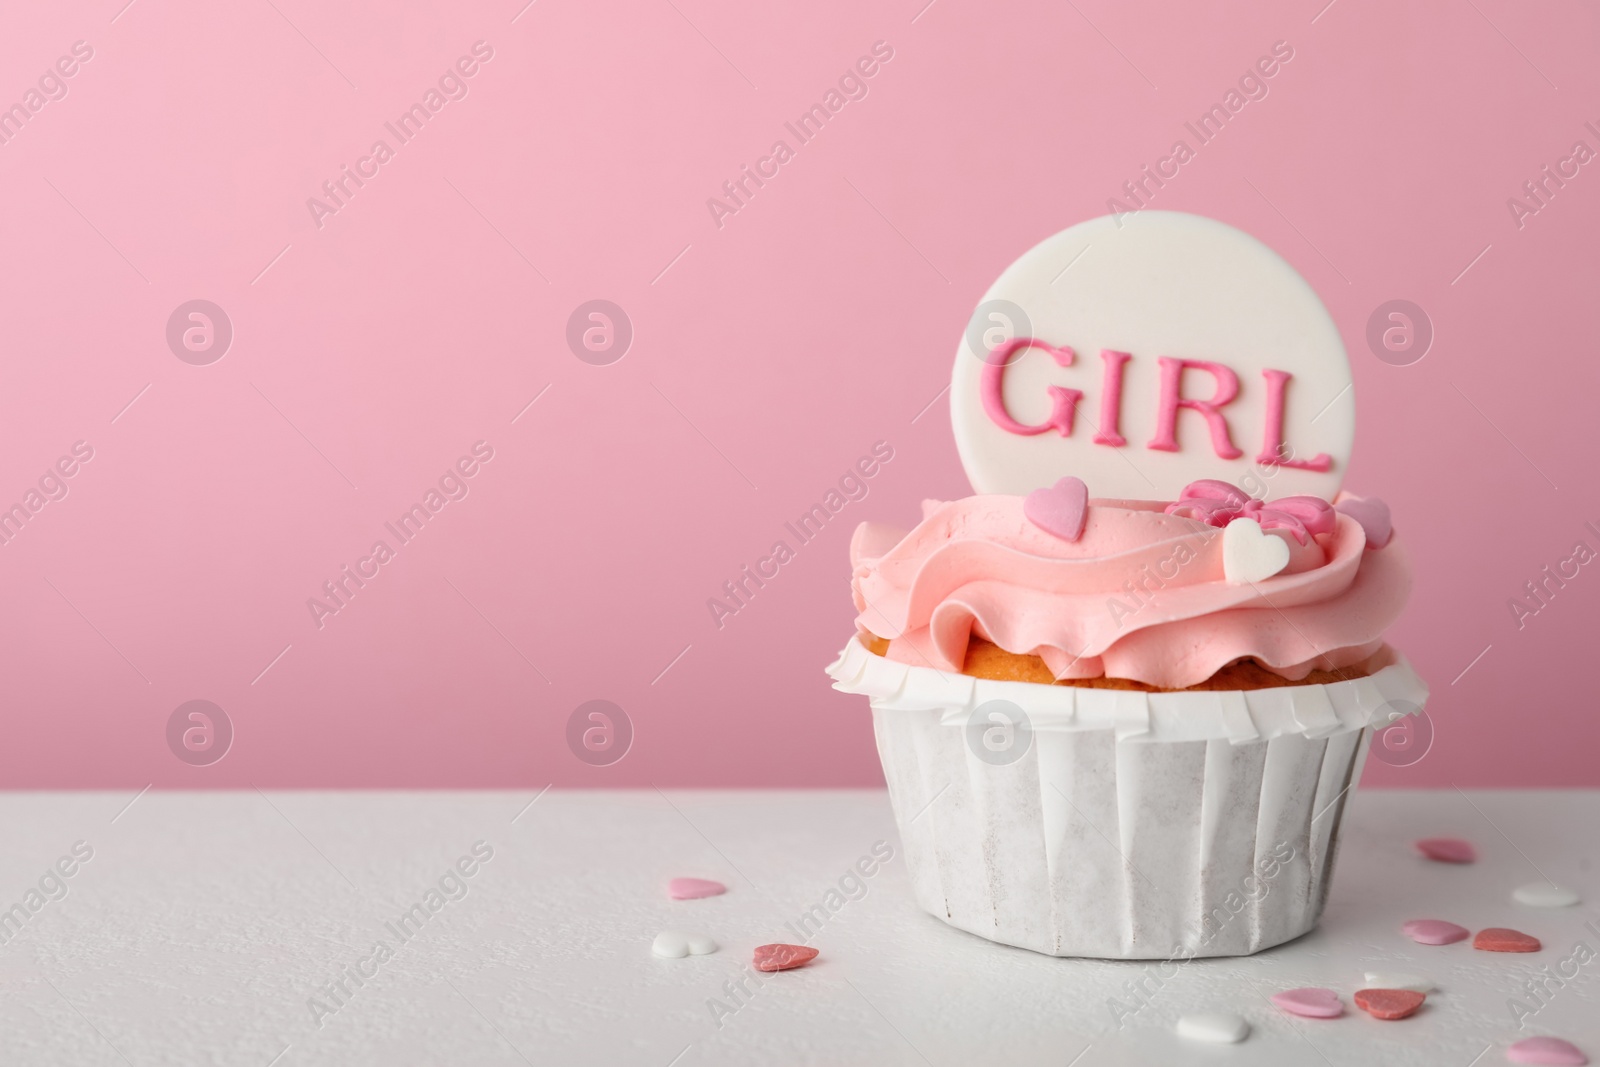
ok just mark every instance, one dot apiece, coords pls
pixel 768 354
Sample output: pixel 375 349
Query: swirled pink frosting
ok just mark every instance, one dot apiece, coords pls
pixel 1139 595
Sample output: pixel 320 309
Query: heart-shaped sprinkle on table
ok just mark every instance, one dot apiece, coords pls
pixel 676 944
pixel 1501 939
pixel 1548 1051
pixel 781 957
pixel 1544 895
pixel 1373 515
pixel 1434 932
pixel 1311 1001
pixel 1216 1027
pixel 1447 849
pixel 694 888
pixel 1389 1003
pixel 1399 980
pixel 1061 510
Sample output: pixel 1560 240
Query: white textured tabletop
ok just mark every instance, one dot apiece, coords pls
pixel 208 928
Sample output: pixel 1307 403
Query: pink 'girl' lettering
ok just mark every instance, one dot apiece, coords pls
pixel 1166 438
pixel 1274 453
pixel 1169 402
pixel 1064 402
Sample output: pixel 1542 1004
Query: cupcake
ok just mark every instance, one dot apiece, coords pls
pixel 1129 728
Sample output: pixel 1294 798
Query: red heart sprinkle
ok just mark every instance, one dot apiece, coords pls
pixel 1389 1003
pixel 1500 939
pixel 782 957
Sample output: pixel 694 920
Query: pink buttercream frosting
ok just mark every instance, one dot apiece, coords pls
pixel 1140 594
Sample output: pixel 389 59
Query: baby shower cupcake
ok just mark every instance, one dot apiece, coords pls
pixel 1127 725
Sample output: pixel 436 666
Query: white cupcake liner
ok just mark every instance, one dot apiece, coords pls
pixel 1134 825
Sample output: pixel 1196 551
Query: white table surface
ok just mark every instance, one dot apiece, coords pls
pixel 205 921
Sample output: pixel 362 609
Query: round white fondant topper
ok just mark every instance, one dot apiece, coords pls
pixel 1143 352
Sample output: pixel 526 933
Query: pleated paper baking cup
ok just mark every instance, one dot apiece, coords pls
pixel 1119 824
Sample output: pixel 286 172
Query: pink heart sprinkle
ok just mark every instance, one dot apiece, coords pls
pixel 1551 1051
pixel 1310 1001
pixel 1060 510
pixel 1434 932
pixel 694 888
pixel 1447 849
pixel 1373 515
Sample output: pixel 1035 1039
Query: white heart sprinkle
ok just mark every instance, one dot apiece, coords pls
pixel 1216 1027
pixel 1399 980
pixel 676 944
pixel 1249 555
pixel 1544 895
